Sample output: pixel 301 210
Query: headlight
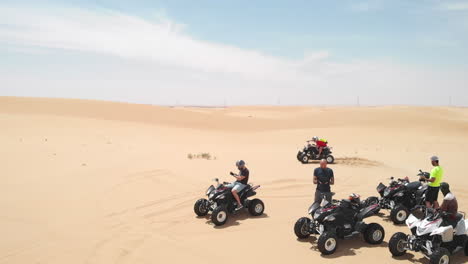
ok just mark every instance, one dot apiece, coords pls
pixel 400 194
pixel 210 189
pixel 211 196
pixel 221 196
pixel 386 192
pixel 329 218
pixel 317 213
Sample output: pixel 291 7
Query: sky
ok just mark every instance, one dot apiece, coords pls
pixel 211 52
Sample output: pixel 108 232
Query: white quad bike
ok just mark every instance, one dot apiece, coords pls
pixel 431 234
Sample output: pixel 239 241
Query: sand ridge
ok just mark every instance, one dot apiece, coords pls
pixel 101 182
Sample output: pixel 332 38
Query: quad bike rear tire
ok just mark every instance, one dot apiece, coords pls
pixel 256 207
pixel 374 234
pixel 440 256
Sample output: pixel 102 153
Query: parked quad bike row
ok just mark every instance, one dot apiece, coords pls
pixel 431 233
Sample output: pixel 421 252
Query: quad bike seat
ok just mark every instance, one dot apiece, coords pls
pixel 413 186
pixel 458 217
pixel 453 221
pixel 421 190
pixel 246 189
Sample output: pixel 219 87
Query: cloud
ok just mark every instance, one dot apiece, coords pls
pixel 455 6
pixel 128 58
pixel 366 6
pixel 113 33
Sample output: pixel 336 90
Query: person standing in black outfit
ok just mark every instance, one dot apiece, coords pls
pixel 323 177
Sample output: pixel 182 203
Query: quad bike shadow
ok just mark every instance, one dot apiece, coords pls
pixel 458 258
pixel 348 247
pixel 234 220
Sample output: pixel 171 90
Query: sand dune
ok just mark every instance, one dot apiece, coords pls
pixel 102 182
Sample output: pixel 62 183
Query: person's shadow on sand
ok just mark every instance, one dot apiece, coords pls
pixel 346 247
pixel 233 219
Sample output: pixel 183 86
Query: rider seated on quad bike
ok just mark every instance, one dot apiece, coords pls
pixel 449 205
pixel 241 183
pixel 321 144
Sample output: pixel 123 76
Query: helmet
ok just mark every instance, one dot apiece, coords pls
pixel 240 163
pixel 315 138
pixel 444 186
pixel 356 198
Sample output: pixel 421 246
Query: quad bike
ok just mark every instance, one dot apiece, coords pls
pixel 432 235
pixel 220 202
pixel 401 196
pixel 310 152
pixel 340 219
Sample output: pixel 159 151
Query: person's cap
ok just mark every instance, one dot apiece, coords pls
pixel 240 163
pixel 434 158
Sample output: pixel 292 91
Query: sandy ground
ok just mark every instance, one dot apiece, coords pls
pixel 100 182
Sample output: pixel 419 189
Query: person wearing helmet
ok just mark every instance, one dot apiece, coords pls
pixel 434 183
pixel 450 204
pixel 241 182
pixel 321 143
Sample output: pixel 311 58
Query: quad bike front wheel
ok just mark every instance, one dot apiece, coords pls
pixel 327 243
pixel 299 155
pixel 399 214
pixel 200 207
pixel 466 246
pixel 256 207
pixel 301 228
pixel 440 256
pixel 219 216
pixel 396 244
pixel 374 234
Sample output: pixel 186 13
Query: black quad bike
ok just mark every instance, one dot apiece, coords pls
pixel 401 196
pixel 340 219
pixel 310 152
pixel 220 202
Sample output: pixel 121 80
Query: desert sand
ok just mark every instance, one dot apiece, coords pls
pixel 101 182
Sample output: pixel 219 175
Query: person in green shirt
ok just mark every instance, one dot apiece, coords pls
pixel 434 184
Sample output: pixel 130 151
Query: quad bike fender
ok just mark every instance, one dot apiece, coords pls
pixel 446 232
pixel 462 228
pixel 368 211
pixel 412 221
